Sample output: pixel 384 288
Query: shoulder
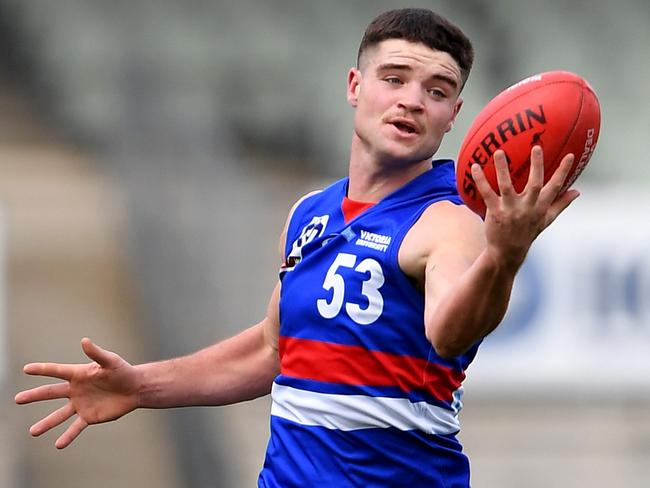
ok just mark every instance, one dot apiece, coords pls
pixel 328 194
pixel 283 236
pixel 443 228
pixel 306 196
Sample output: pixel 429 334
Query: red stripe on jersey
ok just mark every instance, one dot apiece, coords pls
pixel 354 365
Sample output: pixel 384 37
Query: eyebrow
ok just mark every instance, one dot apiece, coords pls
pixel 405 67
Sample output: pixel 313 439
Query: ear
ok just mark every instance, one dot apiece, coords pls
pixel 457 107
pixel 354 86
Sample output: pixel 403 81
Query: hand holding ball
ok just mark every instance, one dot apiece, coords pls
pixel 557 110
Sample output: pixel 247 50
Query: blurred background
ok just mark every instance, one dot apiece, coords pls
pixel 149 154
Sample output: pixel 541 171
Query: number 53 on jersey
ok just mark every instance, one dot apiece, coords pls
pixel 335 283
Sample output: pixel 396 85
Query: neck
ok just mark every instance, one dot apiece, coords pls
pixel 371 179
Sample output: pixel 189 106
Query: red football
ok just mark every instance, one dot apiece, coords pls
pixel 557 110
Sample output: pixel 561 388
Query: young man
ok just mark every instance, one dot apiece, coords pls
pixel 388 285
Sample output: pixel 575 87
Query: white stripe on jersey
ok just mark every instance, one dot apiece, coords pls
pixel 353 412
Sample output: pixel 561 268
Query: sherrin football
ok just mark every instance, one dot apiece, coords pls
pixel 557 110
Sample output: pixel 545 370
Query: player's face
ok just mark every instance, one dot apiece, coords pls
pixel 406 97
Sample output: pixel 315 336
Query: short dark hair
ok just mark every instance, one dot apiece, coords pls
pixel 424 26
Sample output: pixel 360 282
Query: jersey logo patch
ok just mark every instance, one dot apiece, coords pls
pixel 311 231
pixel 379 242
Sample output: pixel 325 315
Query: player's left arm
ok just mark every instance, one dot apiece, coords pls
pixel 442 253
pixel 466 267
pixel 466 291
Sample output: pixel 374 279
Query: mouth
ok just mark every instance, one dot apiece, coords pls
pixel 405 126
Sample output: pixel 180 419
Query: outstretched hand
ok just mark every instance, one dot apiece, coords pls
pixel 513 220
pixel 100 391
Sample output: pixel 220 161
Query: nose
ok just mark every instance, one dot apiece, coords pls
pixel 411 98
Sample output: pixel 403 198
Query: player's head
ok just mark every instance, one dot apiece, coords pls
pixel 419 26
pixel 412 66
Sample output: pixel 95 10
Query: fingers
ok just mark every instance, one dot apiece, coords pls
pixel 56 418
pixel 555 183
pixel 55 370
pixel 504 181
pixel 489 196
pixel 559 205
pixel 536 174
pixel 64 371
pixel 45 392
pixel 52 420
pixel 104 358
pixel 71 433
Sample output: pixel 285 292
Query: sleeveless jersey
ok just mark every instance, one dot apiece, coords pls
pixel 362 399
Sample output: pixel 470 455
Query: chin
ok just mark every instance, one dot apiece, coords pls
pixel 407 155
pixel 404 158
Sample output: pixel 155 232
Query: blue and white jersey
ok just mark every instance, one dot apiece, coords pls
pixel 362 399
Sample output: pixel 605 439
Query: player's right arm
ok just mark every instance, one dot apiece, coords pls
pixel 237 369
